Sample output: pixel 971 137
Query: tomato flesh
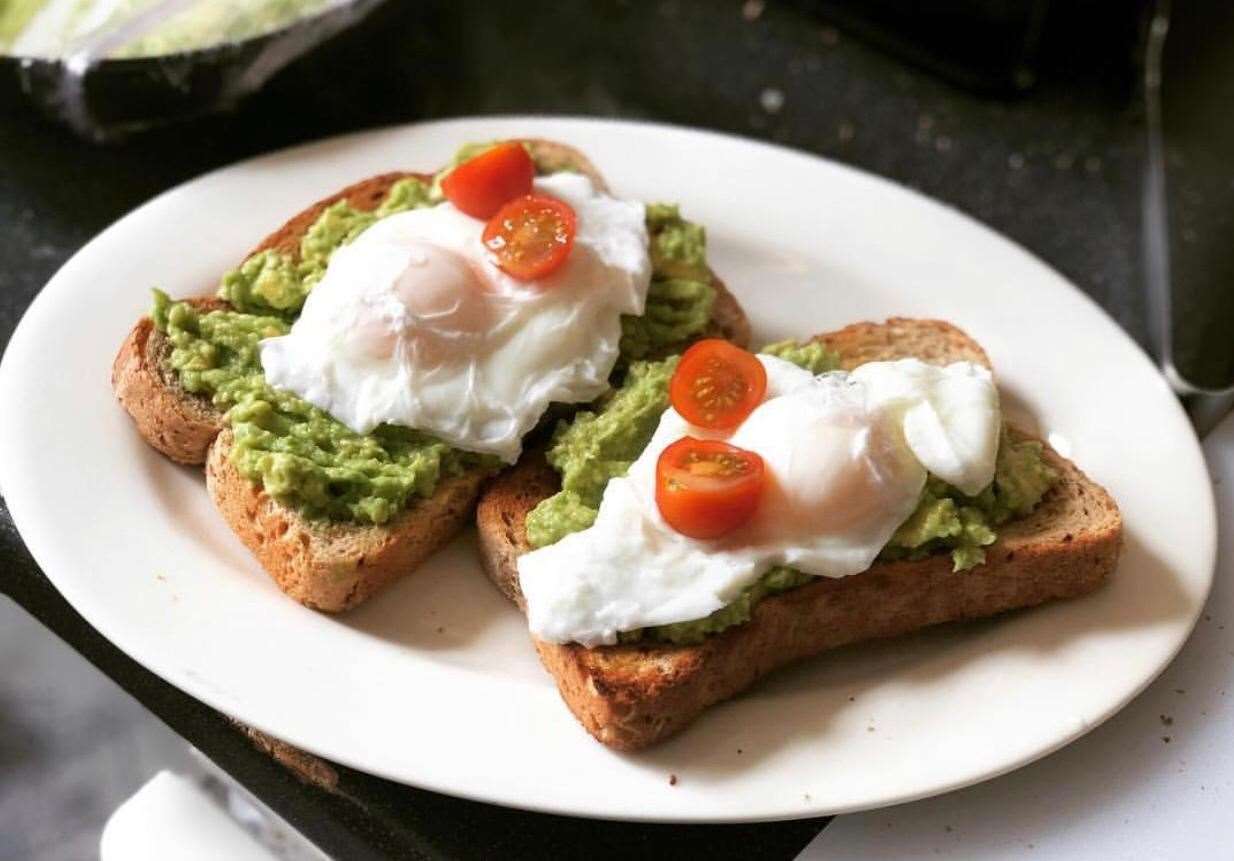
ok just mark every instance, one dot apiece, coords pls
pixel 531 236
pixel 707 488
pixel 480 186
pixel 717 384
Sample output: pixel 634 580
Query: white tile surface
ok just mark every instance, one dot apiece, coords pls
pixel 1156 781
pixel 170 819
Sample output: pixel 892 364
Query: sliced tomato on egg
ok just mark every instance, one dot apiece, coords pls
pixel 707 488
pixel 531 236
pixel 716 385
pixel 479 186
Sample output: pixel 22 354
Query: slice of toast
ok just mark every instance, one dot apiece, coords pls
pixel 177 422
pixel 327 566
pixel 631 696
pixel 334 566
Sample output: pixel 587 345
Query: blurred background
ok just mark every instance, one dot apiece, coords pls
pixel 1096 133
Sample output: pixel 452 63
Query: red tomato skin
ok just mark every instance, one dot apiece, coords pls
pixel 706 507
pixel 481 185
pixel 733 378
pixel 531 237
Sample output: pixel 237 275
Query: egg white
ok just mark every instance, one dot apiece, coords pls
pixel 413 324
pixel 841 478
pixel 945 412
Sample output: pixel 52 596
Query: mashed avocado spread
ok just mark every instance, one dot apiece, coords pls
pixel 681 296
pixel 299 453
pixel 595 446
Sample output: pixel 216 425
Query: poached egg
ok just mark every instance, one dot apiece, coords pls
pixel 414 325
pixel 846 456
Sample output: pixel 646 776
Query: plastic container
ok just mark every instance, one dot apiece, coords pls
pixel 151 62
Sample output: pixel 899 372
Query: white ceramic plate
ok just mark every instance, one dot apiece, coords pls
pixel 434 682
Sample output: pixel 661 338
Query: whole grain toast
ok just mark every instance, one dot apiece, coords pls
pixel 631 696
pixel 177 422
pixel 329 567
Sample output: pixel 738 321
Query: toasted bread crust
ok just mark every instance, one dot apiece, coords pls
pixel 934 341
pixel 632 696
pixel 332 566
pixel 326 567
pixel 728 321
pixel 178 423
pixel 501 519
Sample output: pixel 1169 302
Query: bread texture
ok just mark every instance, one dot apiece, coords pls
pixel 334 566
pixel 323 565
pixel 178 423
pixel 631 696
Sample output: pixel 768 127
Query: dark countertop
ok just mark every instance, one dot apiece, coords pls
pixel 1056 168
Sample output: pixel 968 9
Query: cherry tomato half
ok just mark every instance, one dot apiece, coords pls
pixel 716 385
pixel 479 186
pixel 531 236
pixel 707 488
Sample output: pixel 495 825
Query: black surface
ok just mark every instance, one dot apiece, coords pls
pixel 1198 126
pixel 1056 169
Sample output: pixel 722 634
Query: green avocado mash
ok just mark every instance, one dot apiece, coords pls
pixel 946 519
pixel 680 298
pixel 300 454
pixel 594 447
pixel 811 355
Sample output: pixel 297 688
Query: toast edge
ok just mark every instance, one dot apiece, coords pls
pixel 173 421
pixel 309 562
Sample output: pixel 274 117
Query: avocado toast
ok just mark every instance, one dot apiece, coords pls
pixel 645 688
pixel 328 547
